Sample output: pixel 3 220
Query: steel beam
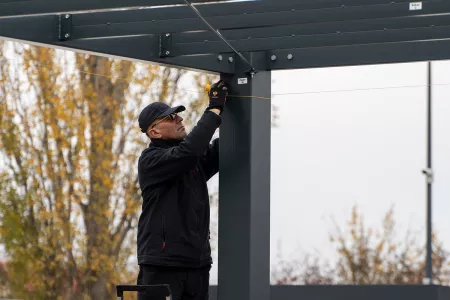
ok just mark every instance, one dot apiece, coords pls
pixel 43 30
pixel 145 49
pixel 353 55
pixel 157 21
pixel 139 50
pixel 221 9
pixel 244 188
pixel 319 41
pixel 32 7
pixel 316 28
pixel 353 292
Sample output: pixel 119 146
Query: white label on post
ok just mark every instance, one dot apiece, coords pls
pixel 415 6
pixel 242 81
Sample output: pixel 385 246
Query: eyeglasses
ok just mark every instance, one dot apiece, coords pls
pixel 171 117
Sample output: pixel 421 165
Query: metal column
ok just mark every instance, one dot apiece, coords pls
pixel 244 188
pixel 429 176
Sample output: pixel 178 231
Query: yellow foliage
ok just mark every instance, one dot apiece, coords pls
pixel 63 130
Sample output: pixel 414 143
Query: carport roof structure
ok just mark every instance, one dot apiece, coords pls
pixel 244 41
pixel 316 33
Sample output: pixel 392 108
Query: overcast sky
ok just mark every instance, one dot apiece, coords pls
pixel 332 150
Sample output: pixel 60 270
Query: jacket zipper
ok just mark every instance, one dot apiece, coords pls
pixel 163 229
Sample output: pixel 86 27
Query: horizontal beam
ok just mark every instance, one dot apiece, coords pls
pixel 143 48
pixel 158 23
pixel 218 9
pixel 315 28
pixel 353 292
pixel 317 41
pixel 140 51
pixel 32 7
pixel 353 55
pixel 357 292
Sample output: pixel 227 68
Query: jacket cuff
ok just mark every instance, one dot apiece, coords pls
pixel 212 117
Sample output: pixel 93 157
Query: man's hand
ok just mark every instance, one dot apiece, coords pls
pixel 218 96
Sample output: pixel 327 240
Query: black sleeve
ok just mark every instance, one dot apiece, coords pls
pixel 165 164
pixel 210 161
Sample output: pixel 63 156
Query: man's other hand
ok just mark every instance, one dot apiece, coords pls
pixel 218 95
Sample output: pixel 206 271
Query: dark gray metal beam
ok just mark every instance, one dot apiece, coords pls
pixel 141 49
pixel 352 55
pixel 315 28
pixel 244 187
pixel 30 7
pixel 308 41
pixel 43 30
pixel 144 49
pixel 354 292
pixel 220 9
pixel 157 23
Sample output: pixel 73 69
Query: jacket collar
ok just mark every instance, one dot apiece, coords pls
pixel 164 143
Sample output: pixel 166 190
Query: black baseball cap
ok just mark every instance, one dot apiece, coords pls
pixel 154 111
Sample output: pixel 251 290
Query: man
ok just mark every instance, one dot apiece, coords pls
pixel 173 231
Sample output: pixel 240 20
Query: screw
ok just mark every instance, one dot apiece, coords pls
pixel 167 52
pixel 290 56
pixel 220 57
pixel 273 57
pixel 167 34
pixel 67 35
pixel 230 59
pixel 67 16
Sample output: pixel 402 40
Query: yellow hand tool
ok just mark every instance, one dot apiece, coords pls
pixel 207 88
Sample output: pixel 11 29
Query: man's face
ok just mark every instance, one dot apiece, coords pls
pixel 168 128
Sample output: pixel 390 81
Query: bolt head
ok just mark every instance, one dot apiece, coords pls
pixel 67 35
pixel 167 34
pixel 290 56
pixel 230 59
pixel 273 57
pixel 67 16
pixel 167 52
pixel 220 57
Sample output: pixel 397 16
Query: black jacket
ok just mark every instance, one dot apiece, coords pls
pixel 173 228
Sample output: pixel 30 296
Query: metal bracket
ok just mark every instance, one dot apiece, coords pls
pixel 65 27
pixel 429 174
pixel 165 43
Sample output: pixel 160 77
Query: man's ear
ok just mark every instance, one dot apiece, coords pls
pixel 154 133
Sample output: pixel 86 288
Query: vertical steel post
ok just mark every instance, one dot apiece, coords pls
pixel 429 176
pixel 244 187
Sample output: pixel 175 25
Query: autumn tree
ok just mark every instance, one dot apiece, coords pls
pixel 367 256
pixel 69 143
